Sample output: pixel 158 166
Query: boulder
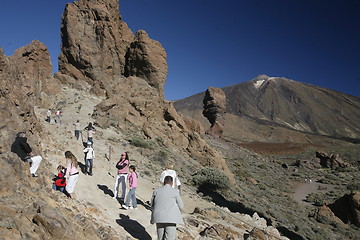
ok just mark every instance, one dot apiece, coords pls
pixel 214 110
pixel 331 161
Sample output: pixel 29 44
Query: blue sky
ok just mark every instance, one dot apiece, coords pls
pixel 221 43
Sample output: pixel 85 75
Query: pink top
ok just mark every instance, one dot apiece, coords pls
pixel 132 177
pixel 70 169
pixel 125 169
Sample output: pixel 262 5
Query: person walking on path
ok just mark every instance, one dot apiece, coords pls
pixel 90 132
pixel 122 165
pixel 24 151
pixel 90 155
pixel 171 172
pixel 58 116
pixel 166 206
pixel 48 115
pixel 77 129
pixel 72 173
pixel 132 178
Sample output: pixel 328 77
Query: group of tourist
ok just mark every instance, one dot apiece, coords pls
pixel 166 202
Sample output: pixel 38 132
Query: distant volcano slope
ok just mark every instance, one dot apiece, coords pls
pixel 272 104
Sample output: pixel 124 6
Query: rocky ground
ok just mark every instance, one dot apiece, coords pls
pixel 94 193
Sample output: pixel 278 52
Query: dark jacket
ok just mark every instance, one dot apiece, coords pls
pixel 21 148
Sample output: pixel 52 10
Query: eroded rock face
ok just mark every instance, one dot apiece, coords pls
pixel 330 161
pixel 99 48
pixel 214 110
pixel 146 59
pixel 26 79
pixel 347 208
pixel 31 210
pixel 94 42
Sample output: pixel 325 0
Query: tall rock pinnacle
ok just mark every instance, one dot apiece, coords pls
pixel 214 110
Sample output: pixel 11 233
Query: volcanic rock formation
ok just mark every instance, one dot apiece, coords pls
pixel 214 110
pixel 26 79
pixel 99 48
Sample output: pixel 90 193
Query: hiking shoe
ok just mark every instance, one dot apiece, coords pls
pixel 34 175
pixel 124 206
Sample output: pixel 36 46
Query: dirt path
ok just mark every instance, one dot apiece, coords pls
pixel 303 189
pixel 96 191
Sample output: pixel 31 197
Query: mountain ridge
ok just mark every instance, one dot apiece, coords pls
pixel 287 103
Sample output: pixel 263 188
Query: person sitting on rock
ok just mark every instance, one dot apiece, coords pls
pixel 24 151
pixel 60 181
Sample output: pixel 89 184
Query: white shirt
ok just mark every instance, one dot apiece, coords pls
pixel 90 153
pixel 172 173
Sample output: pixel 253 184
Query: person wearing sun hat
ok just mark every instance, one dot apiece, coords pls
pixel 122 170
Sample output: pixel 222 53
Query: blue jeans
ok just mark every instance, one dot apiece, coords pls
pixel 88 164
pixel 58 188
pixel 131 195
pixel 77 134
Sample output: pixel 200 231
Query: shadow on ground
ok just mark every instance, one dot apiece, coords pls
pixel 134 228
pixel 106 190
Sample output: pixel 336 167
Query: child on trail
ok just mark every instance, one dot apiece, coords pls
pixel 72 173
pixel 122 165
pixel 90 155
pixel 132 178
pixel 77 129
pixel 60 180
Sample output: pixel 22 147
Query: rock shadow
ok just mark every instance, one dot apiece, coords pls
pixel 106 190
pixel 134 228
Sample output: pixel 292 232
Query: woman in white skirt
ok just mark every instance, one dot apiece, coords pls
pixel 72 173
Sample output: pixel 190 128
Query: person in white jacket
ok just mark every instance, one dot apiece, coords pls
pixel 90 155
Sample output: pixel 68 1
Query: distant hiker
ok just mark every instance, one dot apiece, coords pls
pixel 72 173
pixel 132 178
pixel 48 115
pixel 171 172
pixel 77 129
pixel 60 181
pixel 24 151
pixel 58 116
pixel 122 165
pixel 90 155
pixel 90 132
pixel 166 204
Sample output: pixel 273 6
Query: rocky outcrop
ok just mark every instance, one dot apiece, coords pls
pixel 330 161
pixel 347 208
pixel 31 210
pixel 146 59
pixel 214 110
pixel 27 80
pixel 98 48
pixel 94 43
